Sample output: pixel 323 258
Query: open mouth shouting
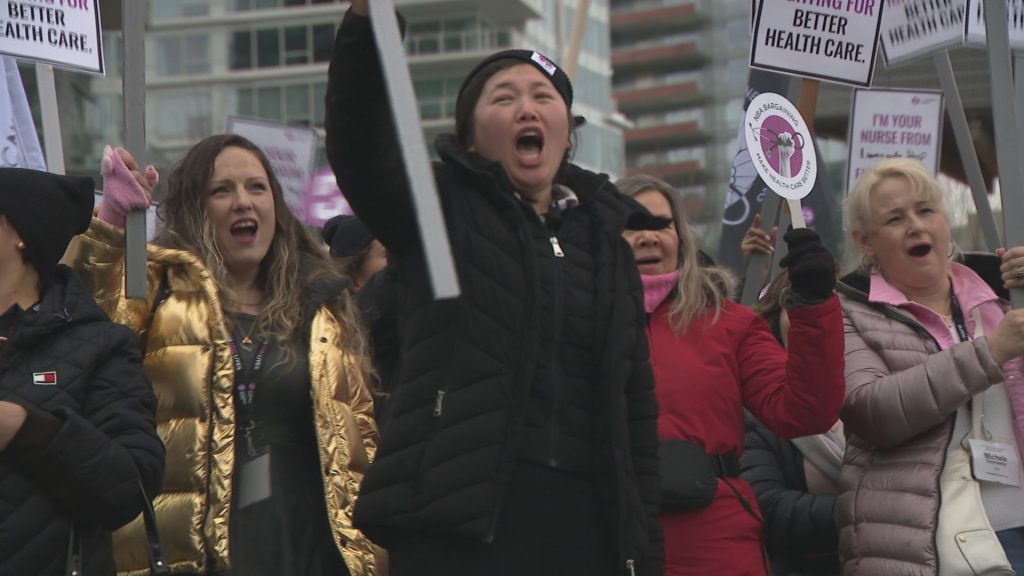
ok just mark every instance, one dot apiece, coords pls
pixel 530 146
pixel 920 250
pixel 244 230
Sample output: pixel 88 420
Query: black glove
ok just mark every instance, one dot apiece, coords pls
pixel 812 269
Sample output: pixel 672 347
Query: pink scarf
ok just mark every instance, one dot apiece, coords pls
pixel 657 287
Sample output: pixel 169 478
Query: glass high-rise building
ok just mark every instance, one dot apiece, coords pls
pixel 208 60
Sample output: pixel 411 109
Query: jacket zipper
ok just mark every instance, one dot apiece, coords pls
pixel 439 403
pixel 520 402
pixel 556 336
pixel 631 567
pixel 917 327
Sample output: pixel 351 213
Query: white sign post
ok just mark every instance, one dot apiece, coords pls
pixel 65 33
pixel 894 124
pixel 434 234
pixel 290 149
pixel 975 32
pixel 914 27
pixel 833 40
pixel 781 150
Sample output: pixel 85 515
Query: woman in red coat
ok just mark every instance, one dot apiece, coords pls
pixel 712 358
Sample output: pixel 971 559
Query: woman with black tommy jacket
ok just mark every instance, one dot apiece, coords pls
pixel 78 444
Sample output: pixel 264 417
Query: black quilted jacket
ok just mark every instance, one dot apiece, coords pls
pixel 89 436
pixel 448 474
pixel 800 528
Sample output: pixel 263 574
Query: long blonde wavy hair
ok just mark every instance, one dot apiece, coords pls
pixel 701 289
pixel 293 256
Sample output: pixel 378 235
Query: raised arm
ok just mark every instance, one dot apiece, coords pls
pixel 362 145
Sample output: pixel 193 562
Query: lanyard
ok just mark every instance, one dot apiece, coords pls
pixel 245 390
pixel 958 316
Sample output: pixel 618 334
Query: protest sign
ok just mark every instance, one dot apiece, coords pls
pixel 975 32
pixel 64 33
pixel 894 124
pixel 776 137
pixel 290 149
pixel 834 40
pixel 433 232
pixel 914 27
pixel 322 200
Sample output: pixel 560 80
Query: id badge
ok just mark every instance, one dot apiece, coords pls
pixel 995 462
pixel 254 481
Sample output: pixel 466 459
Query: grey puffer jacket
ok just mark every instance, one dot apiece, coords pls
pixel 902 392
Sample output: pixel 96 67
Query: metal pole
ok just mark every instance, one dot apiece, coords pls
pixel 756 266
pixel 1018 85
pixel 134 87
pixel 965 144
pixel 406 113
pixel 1007 135
pixel 52 138
pixel 579 26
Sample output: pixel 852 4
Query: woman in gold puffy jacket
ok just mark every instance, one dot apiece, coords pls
pixel 258 365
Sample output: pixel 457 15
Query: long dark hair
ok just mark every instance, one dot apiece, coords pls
pixel 293 254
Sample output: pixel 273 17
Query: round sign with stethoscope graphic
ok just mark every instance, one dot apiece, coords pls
pixel 780 147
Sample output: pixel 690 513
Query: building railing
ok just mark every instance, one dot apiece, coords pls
pixel 473 40
pixel 657 81
pixel 651 4
pixel 674 117
pixel 674 156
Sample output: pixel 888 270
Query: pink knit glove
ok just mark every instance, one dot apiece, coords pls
pixel 122 193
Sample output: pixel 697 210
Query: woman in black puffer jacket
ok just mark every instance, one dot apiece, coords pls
pixel 522 436
pixel 78 442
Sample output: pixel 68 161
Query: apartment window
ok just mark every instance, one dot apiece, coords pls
pixel 460 34
pixel 301 104
pixel 436 97
pixel 242 5
pixel 181 55
pixel 174 9
pixel 181 115
pixel 289 46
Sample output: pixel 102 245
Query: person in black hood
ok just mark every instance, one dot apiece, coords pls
pixel 78 444
pixel 522 436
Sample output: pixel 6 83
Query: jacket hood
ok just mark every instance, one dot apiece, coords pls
pixel 857 284
pixel 63 304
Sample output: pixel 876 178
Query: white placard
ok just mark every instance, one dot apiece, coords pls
pixel 780 146
pixel 975 33
pixel 894 124
pixel 834 40
pixel 290 149
pixel 912 28
pixel 63 33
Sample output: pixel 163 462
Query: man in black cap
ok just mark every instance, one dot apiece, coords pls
pixel 78 443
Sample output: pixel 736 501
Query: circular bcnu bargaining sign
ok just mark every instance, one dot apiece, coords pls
pixel 780 146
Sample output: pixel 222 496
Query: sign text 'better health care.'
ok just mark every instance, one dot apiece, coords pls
pixel 826 22
pixel 42 21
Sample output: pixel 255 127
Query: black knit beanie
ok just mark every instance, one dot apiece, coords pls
pixel 346 235
pixel 47 211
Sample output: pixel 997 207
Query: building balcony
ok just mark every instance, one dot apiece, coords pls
pixel 454 53
pixel 681 132
pixel 660 92
pixel 681 51
pixel 504 12
pixel 687 172
pixel 655 17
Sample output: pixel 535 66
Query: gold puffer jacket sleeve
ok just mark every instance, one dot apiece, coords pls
pixel 188 360
pixel 347 436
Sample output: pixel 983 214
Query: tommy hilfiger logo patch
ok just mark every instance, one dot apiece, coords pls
pixel 44 378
